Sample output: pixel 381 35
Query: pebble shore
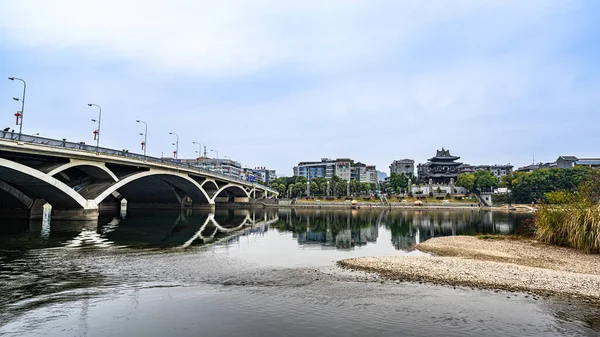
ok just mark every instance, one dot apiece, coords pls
pixel 512 265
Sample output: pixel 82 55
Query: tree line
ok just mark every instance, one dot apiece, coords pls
pixel 527 187
pixel 296 186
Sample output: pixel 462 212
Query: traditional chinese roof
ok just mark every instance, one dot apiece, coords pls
pixel 444 156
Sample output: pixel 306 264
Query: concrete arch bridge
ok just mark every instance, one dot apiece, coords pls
pixel 80 181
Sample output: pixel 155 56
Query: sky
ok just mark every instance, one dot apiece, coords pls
pixel 272 83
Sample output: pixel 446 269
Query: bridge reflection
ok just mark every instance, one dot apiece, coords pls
pixel 161 228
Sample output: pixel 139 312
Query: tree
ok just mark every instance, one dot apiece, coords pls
pixel 485 179
pixel 314 187
pixel 466 180
pixel 398 181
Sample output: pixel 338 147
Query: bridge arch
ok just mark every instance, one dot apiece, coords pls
pixel 36 184
pixel 93 169
pixel 21 198
pixel 180 180
pixel 239 191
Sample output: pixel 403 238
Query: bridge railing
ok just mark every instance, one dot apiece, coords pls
pixel 121 153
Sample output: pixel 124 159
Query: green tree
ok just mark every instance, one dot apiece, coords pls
pixel 485 179
pixel 314 188
pixel 466 180
pixel 398 181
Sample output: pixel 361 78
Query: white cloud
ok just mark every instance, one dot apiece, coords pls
pixel 393 69
pixel 233 37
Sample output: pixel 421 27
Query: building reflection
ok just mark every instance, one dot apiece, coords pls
pixel 343 229
pixel 409 228
pixel 346 229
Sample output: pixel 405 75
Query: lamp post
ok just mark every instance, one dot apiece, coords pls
pixel 327 187
pixel 176 144
pixel 145 135
pixel 215 151
pixel 199 152
pixel 99 121
pixel 22 99
pixel 348 187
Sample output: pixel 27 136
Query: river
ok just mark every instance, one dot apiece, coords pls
pixel 255 273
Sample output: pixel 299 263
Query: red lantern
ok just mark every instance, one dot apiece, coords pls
pixel 18 116
pixel 143 145
pixel 175 154
pixel 95 134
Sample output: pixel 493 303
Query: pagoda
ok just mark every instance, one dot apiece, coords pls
pixel 439 169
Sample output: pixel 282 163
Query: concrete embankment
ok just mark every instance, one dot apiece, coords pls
pixel 366 205
pixel 513 265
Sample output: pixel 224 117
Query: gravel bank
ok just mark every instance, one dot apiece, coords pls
pixel 514 265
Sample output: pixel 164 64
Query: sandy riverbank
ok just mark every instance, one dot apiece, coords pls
pixel 514 265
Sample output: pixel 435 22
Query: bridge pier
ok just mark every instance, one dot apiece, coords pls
pixel 35 211
pixel 74 214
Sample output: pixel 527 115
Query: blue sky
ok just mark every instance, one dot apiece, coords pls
pixel 271 83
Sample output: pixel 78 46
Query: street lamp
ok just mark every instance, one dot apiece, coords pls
pixel 145 134
pixel 199 152
pixel 22 104
pixel 327 187
pixel 348 187
pixel 215 151
pixel 98 131
pixel 176 144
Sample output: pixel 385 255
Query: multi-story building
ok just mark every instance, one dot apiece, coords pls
pixel 248 175
pixel 498 170
pixel 316 169
pixel 263 174
pixel 372 174
pixel 572 161
pixel 533 167
pixel 406 166
pixel 224 166
pixel 341 167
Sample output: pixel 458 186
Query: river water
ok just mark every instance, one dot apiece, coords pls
pixel 255 273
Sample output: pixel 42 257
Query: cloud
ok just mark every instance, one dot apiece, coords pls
pixel 314 76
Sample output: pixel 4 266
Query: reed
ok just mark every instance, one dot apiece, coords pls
pixel 573 223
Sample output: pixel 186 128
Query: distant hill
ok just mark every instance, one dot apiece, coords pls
pixel 381 176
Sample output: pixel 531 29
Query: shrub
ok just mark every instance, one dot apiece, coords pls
pixel 573 221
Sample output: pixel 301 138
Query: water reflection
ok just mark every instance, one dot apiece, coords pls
pixel 346 229
pixel 134 229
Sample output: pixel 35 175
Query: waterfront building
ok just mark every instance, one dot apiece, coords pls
pixel 263 174
pixel 316 169
pixel 466 168
pixel 572 161
pixel 248 174
pixel 406 166
pixel 439 169
pixel 498 170
pixel 224 166
pixel 533 167
pixel 364 173
pixel 344 168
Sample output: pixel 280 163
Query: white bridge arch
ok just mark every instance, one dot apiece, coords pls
pixel 70 176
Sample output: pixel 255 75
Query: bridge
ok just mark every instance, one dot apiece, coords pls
pixel 80 181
